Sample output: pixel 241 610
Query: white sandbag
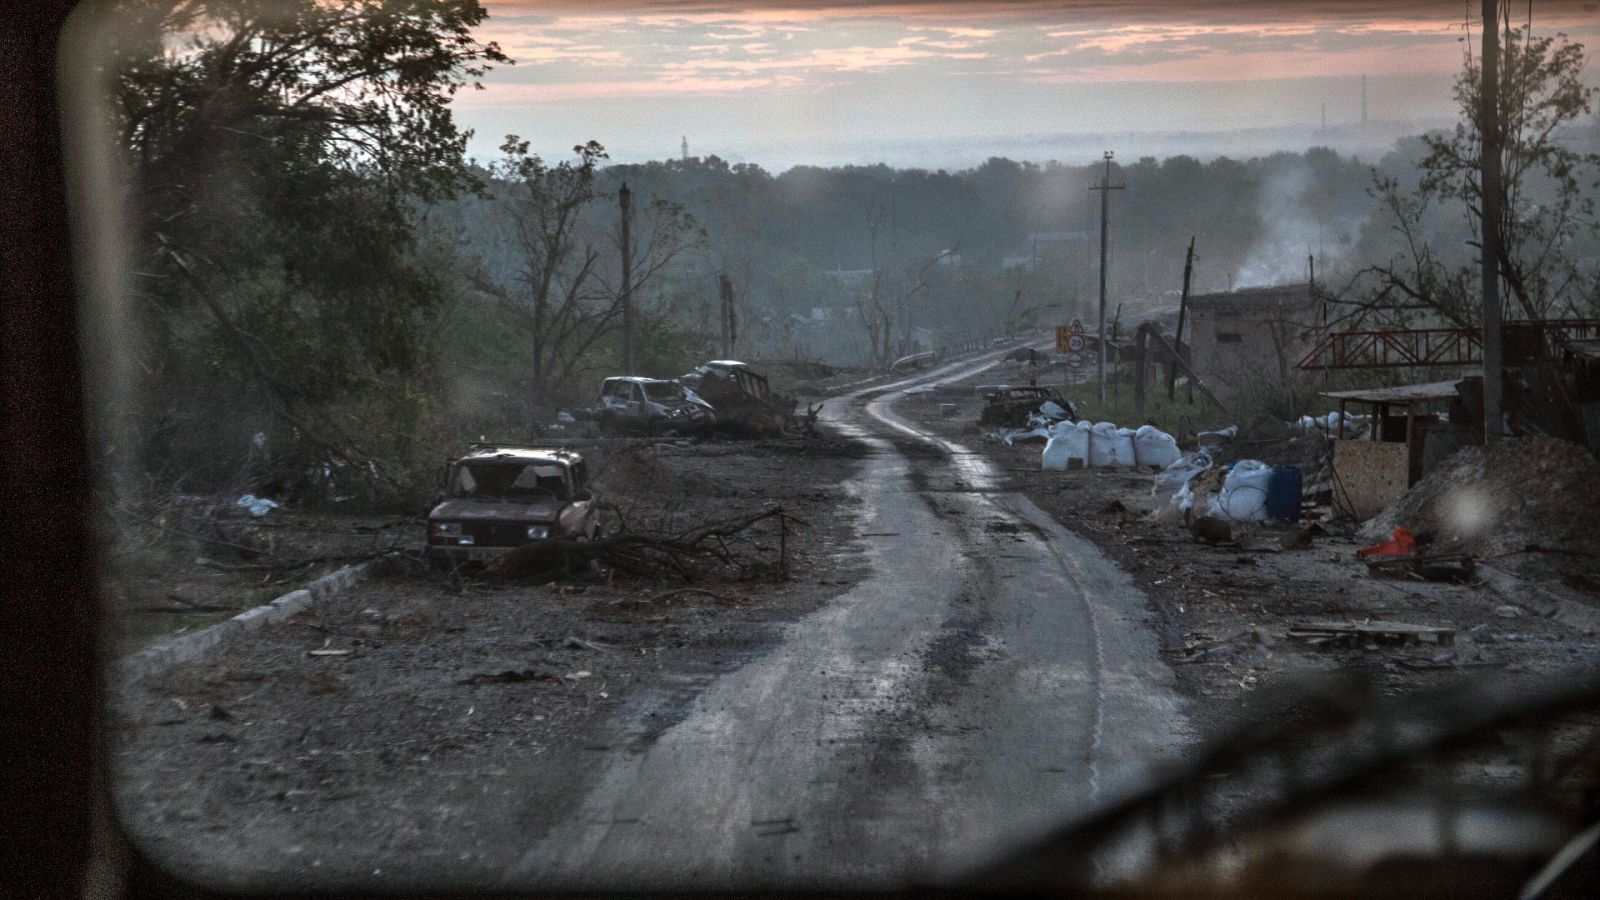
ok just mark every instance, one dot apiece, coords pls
pixel 1068 441
pixel 1244 492
pixel 1154 447
pixel 1108 447
pixel 1052 410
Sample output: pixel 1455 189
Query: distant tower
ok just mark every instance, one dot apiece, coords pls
pixel 1363 103
pixel 1324 117
pixel 686 147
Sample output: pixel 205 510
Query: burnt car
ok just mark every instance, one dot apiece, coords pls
pixel 1010 407
pixel 630 404
pixel 500 497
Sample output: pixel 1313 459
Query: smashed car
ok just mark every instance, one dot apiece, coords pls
pixel 633 405
pixel 1010 407
pixel 500 497
pixel 744 401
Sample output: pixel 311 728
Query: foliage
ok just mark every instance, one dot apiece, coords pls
pixel 276 151
pixel 1548 223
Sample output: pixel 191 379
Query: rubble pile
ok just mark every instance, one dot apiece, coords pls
pixel 1516 494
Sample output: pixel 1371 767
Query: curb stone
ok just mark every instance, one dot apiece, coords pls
pixel 185 648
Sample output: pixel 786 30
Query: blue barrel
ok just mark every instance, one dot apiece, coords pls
pixel 1283 494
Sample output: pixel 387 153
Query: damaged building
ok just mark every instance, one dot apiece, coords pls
pixel 1236 337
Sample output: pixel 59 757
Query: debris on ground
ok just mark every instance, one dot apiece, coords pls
pixel 1402 543
pixel 1532 500
pixel 1014 407
pixel 1450 568
pixel 1372 633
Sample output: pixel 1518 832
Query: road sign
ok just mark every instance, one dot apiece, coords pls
pixel 1076 343
pixel 1074 360
pixel 1077 326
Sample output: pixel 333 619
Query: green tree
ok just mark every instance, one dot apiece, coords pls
pixel 278 151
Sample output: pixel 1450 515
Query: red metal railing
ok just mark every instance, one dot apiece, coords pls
pixel 1399 348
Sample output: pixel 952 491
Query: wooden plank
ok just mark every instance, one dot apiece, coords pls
pixel 1368 476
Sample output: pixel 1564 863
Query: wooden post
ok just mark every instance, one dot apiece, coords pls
pixel 1183 307
pixel 1143 350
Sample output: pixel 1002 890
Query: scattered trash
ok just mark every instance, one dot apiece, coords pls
pixel 328 652
pixel 1217 438
pixel 257 506
pixel 1172 481
pixel 578 643
pixel 1507 611
pixel 1404 543
pixel 1451 569
pixel 1211 529
pixel 1345 634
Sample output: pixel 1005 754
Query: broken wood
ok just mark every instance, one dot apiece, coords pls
pixel 684 555
pixel 1325 634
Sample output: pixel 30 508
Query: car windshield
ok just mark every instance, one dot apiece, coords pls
pixel 663 391
pixel 1077 387
pixel 503 480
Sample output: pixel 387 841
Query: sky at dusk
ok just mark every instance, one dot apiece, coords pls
pixel 945 83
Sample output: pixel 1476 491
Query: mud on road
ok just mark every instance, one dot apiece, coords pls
pixel 445 723
pixel 1224 611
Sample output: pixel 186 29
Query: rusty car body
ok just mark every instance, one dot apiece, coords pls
pixel 1009 407
pixel 503 496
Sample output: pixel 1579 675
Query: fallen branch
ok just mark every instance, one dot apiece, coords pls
pixel 686 554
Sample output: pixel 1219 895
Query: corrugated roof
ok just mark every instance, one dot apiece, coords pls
pixel 1405 393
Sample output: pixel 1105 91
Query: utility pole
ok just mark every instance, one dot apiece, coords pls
pixel 1489 166
pixel 624 196
pixel 728 326
pixel 1105 189
pixel 1183 307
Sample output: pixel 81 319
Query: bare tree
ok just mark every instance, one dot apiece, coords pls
pixel 877 309
pixel 1548 204
pixel 569 298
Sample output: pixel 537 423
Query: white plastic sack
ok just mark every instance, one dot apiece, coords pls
pixel 258 506
pixel 1172 482
pixel 1023 435
pixel 1154 447
pixel 1052 410
pixel 1244 493
pixel 1108 446
pixel 1068 441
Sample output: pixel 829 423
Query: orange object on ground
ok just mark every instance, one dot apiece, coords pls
pixel 1404 544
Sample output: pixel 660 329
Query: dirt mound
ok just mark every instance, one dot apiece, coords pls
pixel 1515 494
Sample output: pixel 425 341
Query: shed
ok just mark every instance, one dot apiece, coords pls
pixel 1408 436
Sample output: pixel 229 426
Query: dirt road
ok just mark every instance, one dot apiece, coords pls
pixel 983 674
pixel 993 673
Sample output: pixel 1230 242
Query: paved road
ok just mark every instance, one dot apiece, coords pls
pixel 992 675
